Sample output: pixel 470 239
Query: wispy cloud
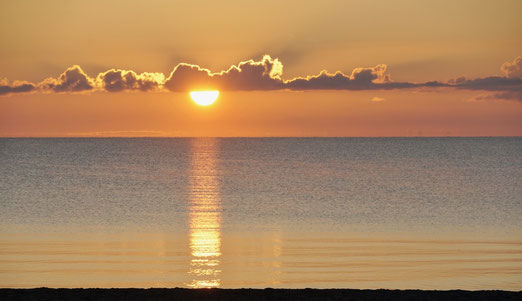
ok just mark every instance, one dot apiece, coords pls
pixel 378 99
pixel 513 69
pixel 265 74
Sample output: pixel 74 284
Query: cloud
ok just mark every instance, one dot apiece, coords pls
pixel 116 80
pixel 510 95
pixel 378 99
pixel 186 76
pixel 508 87
pixel 15 87
pixel 372 78
pixel 492 83
pixel 72 80
pixel 513 69
pixel 248 75
pixel 265 74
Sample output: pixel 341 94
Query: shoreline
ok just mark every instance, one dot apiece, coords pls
pixel 44 293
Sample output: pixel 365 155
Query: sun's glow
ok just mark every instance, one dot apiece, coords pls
pixel 204 98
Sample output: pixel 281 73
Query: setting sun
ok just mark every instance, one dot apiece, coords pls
pixel 204 98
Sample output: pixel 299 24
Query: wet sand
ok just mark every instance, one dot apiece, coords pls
pixel 250 294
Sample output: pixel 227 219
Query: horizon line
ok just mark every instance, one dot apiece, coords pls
pixel 177 137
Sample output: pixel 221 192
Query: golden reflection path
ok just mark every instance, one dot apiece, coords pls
pixel 204 215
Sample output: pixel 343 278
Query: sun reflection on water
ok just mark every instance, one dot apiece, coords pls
pixel 204 216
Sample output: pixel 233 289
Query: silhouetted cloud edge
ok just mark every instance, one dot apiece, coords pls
pixel 265 74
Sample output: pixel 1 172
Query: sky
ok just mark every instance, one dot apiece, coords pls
pixel 283 68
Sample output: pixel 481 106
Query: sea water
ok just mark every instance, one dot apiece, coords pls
pixel 427 213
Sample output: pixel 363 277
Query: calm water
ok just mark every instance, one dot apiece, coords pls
pixel 429 213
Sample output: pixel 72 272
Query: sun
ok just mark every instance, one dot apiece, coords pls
pixel 204 98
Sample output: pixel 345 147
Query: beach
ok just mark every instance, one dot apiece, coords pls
pixel 251 294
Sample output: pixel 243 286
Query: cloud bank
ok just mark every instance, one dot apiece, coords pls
pixel 265 74
pixel 15 87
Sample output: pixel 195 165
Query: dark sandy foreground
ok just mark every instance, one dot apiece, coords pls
pixel 250 294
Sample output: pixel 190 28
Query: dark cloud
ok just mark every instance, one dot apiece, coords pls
pixel 248 75
pixel 492 83
pixel 120 80
pixel 185 77
pixel 265 74
pixel 72 80
pixel 373 78
pixel 16 87
pixel 509 86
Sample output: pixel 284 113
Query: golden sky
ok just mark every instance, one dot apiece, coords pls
pixel 406 68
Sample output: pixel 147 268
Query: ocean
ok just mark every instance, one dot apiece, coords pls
pixel 422 213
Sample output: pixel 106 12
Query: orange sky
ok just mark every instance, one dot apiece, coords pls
pixel 419 41
pixel 276 113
